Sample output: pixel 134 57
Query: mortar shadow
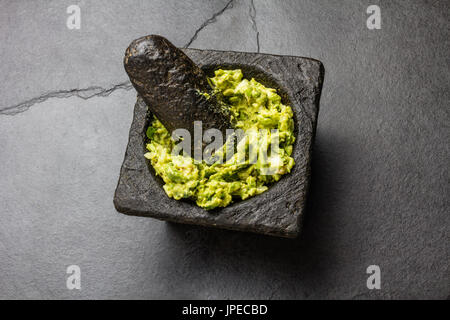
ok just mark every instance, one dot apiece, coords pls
pixel 305 261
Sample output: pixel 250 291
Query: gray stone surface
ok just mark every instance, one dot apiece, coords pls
pixel 380 182
pixel 278 211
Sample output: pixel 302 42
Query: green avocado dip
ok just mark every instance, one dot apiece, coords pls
pixel 253 107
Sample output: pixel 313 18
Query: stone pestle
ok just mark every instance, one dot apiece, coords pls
pixel 174 88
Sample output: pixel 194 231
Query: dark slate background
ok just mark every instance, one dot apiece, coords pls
pixel 380 185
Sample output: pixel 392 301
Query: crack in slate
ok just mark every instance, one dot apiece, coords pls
pixel 96 91
pixel 252 14
pixel 85 93
pixel 211 20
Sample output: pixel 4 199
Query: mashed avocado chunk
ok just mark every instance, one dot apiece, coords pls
pixel 255 109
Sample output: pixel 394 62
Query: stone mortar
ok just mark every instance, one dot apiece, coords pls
pixel 278 211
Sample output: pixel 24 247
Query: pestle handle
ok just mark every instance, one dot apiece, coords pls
pixel 169 82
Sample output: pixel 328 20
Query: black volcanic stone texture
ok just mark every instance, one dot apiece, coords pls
pixel 279 210
pixel 169 82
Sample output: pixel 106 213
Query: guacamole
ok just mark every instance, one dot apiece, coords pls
pixel 255 109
